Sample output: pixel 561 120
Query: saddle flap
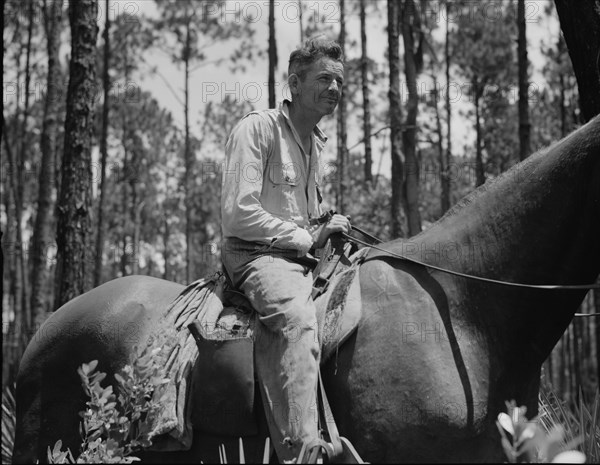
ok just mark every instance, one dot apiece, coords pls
pixel 339 309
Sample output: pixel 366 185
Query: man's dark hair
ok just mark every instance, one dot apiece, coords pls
pixel 313 49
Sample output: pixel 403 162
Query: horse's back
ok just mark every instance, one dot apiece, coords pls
pixel 102 324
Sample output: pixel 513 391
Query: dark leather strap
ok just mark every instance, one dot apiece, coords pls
pixel 324 218
pixel 310 452
pixel 329 425
pixel 331 256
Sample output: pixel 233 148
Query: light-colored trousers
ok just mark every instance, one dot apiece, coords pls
pixel 286 345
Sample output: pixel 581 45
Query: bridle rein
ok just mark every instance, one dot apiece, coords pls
pixel 374 240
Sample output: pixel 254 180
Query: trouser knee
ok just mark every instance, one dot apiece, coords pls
pixel 291 327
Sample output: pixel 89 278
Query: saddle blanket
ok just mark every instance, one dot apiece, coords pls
pixel 223 314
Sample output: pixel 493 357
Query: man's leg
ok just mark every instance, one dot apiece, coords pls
pixel 286 347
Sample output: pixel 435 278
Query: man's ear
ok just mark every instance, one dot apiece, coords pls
pixel 294 83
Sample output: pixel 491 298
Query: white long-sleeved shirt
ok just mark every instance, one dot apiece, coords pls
pixel 269 187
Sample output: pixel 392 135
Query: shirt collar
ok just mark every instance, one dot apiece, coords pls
pixel 284 107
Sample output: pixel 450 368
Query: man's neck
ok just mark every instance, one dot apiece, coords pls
pixel 304 122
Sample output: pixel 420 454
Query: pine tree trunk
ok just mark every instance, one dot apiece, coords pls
pixel 19 191
pixel 134 214
pixel 74 222
pixel 577 357
pixel 560 367
pixel 409 139
pixel 439 143
pixel 555 360
pixel 589 348
pixel 549 369
pixel 572 363
pixel 479 170
pixel 365 93
pixel 137 224
pixel 569 365
pixel 272 55
pixel 300 21
pixel 126 173
pixel 42 235
pixel 580 25
pixel 524 125
pixel 23 136
pixel 189 265
pixel 566 365
pixel 596 293
pixel 13 336
pixel 14 275
pixel 445 167
pixel 166 253
pixel 562 90
pixel 586 347
pixel 395 119
pixel 342 155
pixel 8 275
pixel 563 108
pixel 103 153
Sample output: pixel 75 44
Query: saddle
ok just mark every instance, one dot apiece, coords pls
pixel 221 321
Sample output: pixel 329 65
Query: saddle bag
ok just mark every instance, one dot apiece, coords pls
pixel 223 385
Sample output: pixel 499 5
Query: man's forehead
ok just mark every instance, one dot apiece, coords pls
pixel 326 64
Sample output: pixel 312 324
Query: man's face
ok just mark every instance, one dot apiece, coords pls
pixel 321 88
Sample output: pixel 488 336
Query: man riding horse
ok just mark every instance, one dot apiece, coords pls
pixel 270 203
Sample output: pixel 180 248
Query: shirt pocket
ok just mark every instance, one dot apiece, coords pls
pixel 284 189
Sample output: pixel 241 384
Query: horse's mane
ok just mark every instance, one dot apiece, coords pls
pixel 505 176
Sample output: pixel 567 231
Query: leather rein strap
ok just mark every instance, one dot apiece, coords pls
pixel 464 275
pixel 374 240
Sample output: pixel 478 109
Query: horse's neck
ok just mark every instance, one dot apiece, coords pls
pixel 536 224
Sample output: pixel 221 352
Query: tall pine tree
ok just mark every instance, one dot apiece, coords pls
pixel 74 202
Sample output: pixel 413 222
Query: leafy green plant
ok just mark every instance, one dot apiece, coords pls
pixel 114 426
pixel 525 440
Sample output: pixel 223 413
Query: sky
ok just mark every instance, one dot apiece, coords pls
pixel 213 82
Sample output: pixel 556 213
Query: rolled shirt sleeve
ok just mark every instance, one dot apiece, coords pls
pixel 242 213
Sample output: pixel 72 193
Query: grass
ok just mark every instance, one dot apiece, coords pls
pixel 581 420
pixel 242 454
pixel 8 423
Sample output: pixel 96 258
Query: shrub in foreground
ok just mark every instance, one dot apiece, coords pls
pixel 115 425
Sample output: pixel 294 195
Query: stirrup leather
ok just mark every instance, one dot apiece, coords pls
pixel 335 447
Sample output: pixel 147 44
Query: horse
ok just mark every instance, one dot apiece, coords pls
pixel 455 321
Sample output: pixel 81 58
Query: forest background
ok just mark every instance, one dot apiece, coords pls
pixel 439 97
